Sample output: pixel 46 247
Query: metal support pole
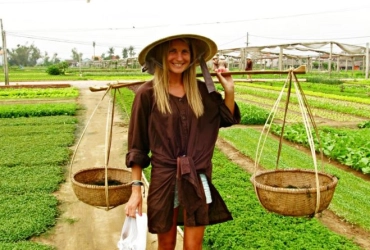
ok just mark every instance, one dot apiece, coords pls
pixel 367 61
pixel 5 57
pixel 330 58
pixel 281 59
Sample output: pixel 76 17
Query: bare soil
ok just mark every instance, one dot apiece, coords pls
pixel 82 226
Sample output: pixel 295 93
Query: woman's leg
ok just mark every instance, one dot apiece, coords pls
pixel 167 241
pixel 193 238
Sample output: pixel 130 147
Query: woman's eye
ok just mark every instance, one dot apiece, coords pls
pixel 185 52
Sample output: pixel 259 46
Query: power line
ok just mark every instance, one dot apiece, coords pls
pixel 38 1
pixel 280 17
pixel 300 39
pixel 97 29
pixel 62 40
pixel 198 23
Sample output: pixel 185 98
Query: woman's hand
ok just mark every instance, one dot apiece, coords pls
pixel 227 83
pixel 135 203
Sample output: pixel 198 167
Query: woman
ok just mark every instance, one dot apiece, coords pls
pixel 176 119
pixel 249 66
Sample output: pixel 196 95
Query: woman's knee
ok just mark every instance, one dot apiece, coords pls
pixel 167 241
pixel 193 237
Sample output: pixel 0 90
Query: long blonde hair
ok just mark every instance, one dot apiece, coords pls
pixel 161 82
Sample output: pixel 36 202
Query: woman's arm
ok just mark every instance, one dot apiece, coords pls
pixel 227 83
pixel 136 200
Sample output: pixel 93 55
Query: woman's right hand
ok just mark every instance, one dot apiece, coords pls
pixel 135 203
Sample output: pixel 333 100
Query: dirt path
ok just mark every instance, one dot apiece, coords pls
pixel 82 226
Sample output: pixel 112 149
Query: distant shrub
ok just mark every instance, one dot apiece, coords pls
pixel 57 69
pixel 53 70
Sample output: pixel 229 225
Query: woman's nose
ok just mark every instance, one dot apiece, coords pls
pixel 179 56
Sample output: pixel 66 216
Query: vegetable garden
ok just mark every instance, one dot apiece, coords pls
pixel 37 127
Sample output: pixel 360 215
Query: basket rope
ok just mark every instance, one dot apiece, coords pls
pixel 108 138
pixel 308 122
pixel 84 131
pixel 108 142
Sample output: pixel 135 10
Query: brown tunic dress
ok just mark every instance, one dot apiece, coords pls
pixel 180 146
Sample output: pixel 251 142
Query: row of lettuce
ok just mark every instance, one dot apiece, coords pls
pixel 41 142
pixel 34 150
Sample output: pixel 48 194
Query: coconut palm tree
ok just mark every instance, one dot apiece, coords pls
pixel 111 52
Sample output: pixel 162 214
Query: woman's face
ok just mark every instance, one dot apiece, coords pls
pixel 179 56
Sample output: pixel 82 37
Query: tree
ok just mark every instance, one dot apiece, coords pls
pixel 125 53
pixel 75 55
pixel 55 58
pixel 63 66
pixel 94 50
pixel 111 52
pixel 131 51
pixel 24 55
pixel 46 59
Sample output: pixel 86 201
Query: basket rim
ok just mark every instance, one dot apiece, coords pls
pixel 291 190
pixel 90 186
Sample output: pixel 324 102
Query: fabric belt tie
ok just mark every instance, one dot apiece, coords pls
pixel 188 182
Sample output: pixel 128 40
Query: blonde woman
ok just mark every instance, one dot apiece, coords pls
pixel 175 119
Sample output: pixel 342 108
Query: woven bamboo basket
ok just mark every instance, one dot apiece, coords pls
pixel 293 192
pixel 102 186
pixel 89 186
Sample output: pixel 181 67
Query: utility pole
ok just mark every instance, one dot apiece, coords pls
pixel 5 58
pixel 79 63
pixel 367 61
pixel 244 58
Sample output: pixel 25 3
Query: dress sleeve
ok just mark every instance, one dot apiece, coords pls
pixel 227 118
pixel 138 138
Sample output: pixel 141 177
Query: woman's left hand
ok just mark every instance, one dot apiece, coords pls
pixel 226 80
pixel 227 83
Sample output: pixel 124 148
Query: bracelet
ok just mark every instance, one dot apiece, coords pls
pixel 138 183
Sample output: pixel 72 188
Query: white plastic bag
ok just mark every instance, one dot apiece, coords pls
pixel 133 235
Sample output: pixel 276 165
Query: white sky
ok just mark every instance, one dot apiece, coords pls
pixel 58 26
